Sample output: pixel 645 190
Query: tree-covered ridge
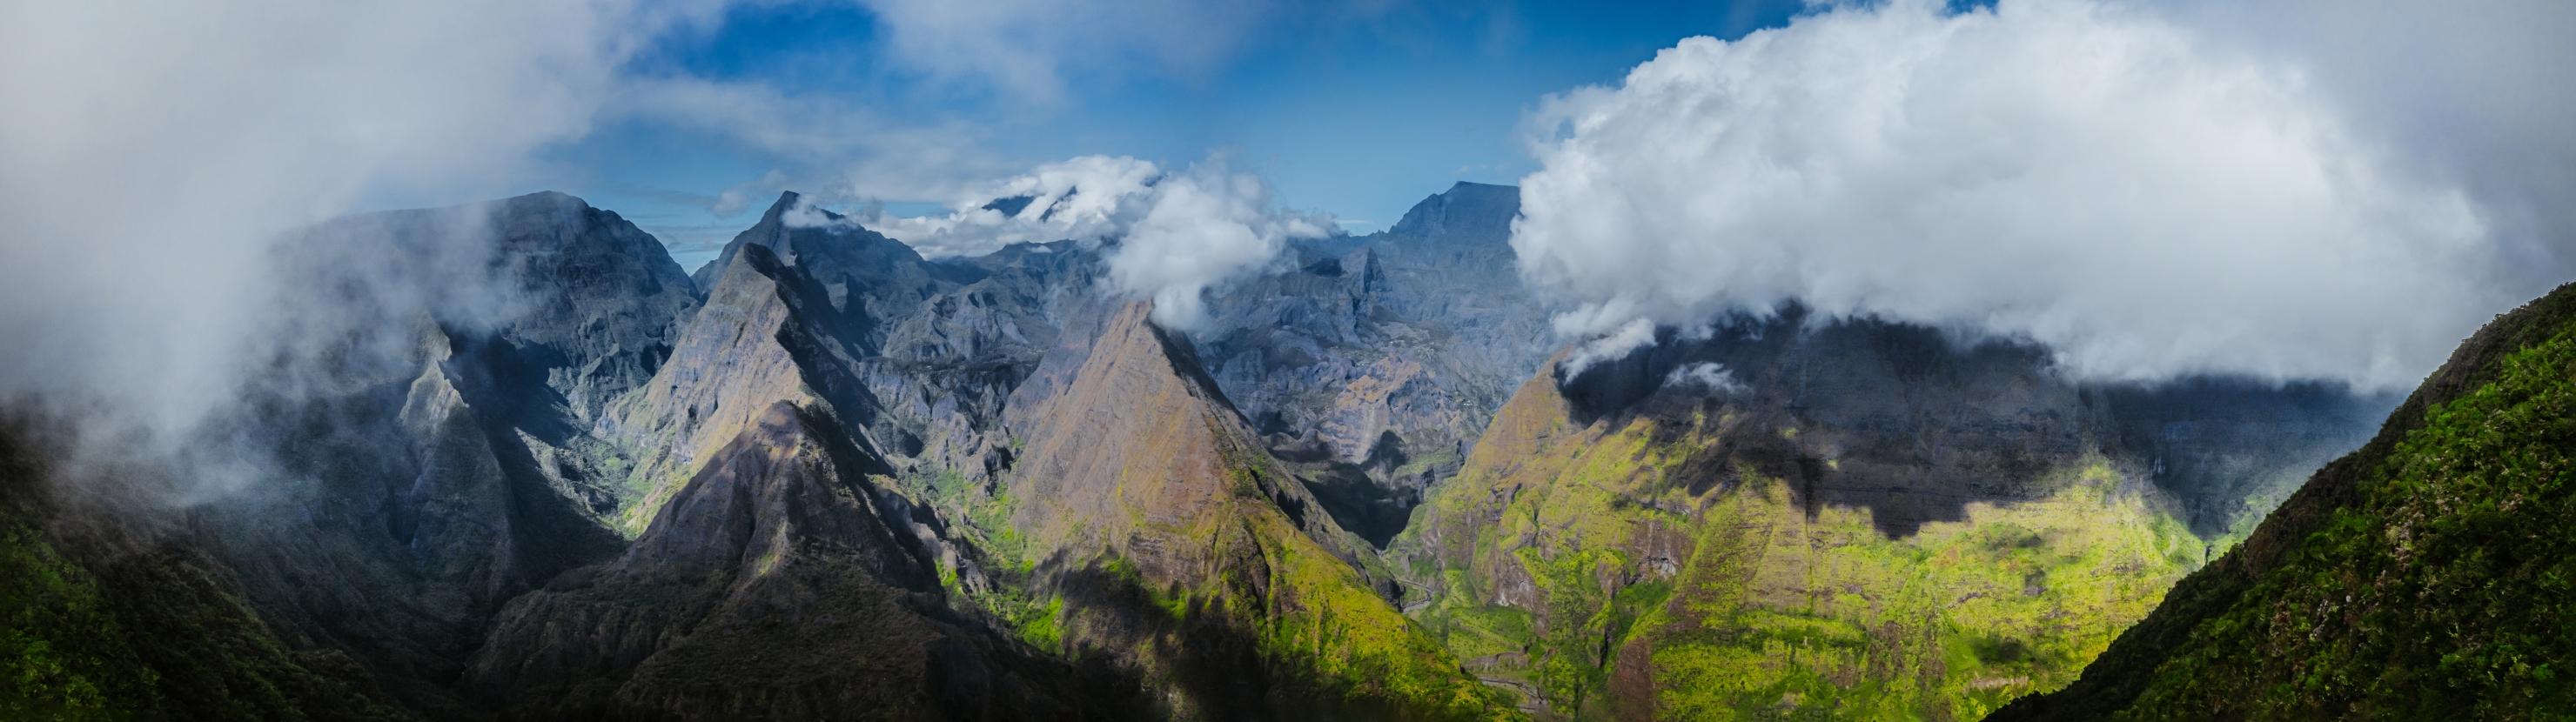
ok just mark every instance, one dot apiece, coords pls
pixel 2448 589
pixel 2422 574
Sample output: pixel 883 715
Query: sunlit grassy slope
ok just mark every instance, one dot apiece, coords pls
pixel 1630 570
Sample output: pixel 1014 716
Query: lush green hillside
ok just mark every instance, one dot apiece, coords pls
pixel 1665 567
pixel 2430 575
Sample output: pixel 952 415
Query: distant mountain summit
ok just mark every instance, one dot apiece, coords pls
pixel 1468 214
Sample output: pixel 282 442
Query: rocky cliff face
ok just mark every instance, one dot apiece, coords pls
pixel 937 346
pixel 428 461
pixel 1375 366
pixel 1847 518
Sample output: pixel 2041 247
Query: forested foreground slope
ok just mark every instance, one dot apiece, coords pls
pixel 2429 575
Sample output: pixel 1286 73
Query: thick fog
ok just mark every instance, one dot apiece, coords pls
pixel 2149 190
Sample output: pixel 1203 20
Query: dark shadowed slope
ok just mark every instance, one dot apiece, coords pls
pixel 107 616
pixel 772 586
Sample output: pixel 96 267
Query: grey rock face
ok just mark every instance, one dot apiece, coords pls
pixel 938 346
pixel 1914 424
pixel 1376 364
pixel 426 417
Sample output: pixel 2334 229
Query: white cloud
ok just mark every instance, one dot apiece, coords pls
pixel 1635 334
pixel 1088 198
pixel 1711 376
pixel 1177 233
pixel 2144 200
pixel 2474 92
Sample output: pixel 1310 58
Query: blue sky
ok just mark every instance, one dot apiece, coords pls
pixel 1354 111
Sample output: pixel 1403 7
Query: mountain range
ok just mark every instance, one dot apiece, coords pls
pixel 519 464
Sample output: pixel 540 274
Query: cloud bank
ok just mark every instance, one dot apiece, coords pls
pixel 153 152
pixel 1177 233
pixel 2144 199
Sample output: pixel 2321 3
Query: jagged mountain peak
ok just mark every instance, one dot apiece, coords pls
pixel 828 242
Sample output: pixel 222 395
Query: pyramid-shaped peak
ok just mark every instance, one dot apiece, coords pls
pixel 786 200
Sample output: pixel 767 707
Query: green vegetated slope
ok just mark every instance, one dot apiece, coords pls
pixel 1642 568
pixel 2432 574
pixel 1143 527
pixel 96 625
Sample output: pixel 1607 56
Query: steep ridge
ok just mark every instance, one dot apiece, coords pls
pixel 1850 518
pixel 937 345
pixel 916 358
pixel 1143 524
pixel 753 344
pixel 1376 364
pixel 771 587
pixel 2423 576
